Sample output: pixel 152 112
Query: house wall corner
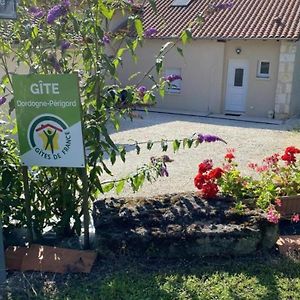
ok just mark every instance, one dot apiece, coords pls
pixel 283 97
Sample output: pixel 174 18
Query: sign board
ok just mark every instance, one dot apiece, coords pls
pixel 8 9
pixel 48 113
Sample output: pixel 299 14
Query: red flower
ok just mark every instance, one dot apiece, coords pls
pixel 229 156
pixel 205 166
pixel 199 180
pixel 215 173
pixel 209 190
pixel 289 158
pixel 292 150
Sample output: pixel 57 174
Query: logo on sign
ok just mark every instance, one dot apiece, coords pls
pixel 49 137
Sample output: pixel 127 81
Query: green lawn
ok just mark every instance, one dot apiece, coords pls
pixel 254 278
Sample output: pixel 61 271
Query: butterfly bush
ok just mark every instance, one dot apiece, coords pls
pixel 62 37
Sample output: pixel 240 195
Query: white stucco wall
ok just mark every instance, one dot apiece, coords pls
pixel 201 70
pixel 261 91
pixel 204 70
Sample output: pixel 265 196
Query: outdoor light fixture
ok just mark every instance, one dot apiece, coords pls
pixel 238 50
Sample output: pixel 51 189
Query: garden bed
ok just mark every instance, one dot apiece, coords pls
pixel 180 225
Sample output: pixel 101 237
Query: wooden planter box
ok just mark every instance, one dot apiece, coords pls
pixel 290 206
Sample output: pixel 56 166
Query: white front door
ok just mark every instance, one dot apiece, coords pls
pixel 237 85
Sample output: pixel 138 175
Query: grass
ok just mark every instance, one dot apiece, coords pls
pixel 125 278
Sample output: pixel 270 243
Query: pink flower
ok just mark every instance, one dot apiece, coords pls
pixel 295 218
pixel 273 216
pixel 252 166
pixel 262 168
pixel 272 160
pixel 278 202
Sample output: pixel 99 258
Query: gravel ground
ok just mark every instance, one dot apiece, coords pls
pixel 252 141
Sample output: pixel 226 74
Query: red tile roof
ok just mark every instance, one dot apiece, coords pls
pixel 247 19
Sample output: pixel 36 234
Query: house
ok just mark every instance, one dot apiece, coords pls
pixel 243 60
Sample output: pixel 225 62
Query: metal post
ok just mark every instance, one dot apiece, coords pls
pixel 85 208
pixel 27 204
pixel 2 260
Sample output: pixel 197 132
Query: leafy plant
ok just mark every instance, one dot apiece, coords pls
pixel 60 37
pixel 279 175
pixel 12 209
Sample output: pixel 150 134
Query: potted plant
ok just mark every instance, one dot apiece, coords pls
pixel 279 182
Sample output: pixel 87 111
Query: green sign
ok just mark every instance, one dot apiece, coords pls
pixel 48 115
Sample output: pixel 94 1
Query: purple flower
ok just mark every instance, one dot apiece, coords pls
pixel 37 12
pixel 173 77
pixel 58 11
pixel 221 6
pixel 2 100
pixel 64 45
pixel 106 39
pixel 54 63
pixel 142 90
pixel 208 138
pixel 150 32
pixel 66 3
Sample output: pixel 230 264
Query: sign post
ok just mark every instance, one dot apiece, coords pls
pixel 48 112
pixel 2 262
pixel 8 9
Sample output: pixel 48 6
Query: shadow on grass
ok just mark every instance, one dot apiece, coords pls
pixel 133 278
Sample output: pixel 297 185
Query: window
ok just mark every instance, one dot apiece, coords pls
pixel 174 87
pixel 263 70
pixel 238 77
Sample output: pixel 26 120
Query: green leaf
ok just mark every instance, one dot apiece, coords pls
pixel 164 145
pixel 149 145
pixel 107 138
pixel 200 20
pixel 153 5
pixel 112 157
pixel 121 52
pixel 105 168
pixel 186 36
pixel 5 79
pixel 158 65
pixel 7 179
pixel 190 142
pixel 108 187
pixel 180 51
pixel 176 145
pixel 139 28
pixel 123 154
pixel 162 91
pixel 138 149
pixel 107 13
pixel 34 32
pixel 11 105
pixel 120 186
